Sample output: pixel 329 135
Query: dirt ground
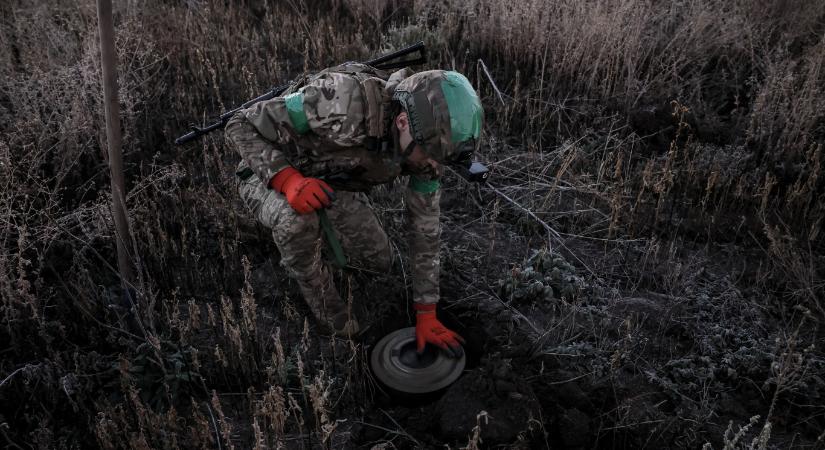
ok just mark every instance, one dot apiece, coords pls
pixel 568 355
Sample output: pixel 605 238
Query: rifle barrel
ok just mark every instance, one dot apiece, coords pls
pixel 418 46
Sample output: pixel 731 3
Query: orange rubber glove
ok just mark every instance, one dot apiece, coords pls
pixel 429 330
pixel 305 195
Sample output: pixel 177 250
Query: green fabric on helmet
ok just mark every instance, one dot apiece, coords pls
pixel 444 111
pixel 295 108
pixel 423 186
pixel 464 106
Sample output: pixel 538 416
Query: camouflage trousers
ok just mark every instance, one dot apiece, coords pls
pixel 300 240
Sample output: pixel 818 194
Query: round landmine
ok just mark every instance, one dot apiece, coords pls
pixel 396 363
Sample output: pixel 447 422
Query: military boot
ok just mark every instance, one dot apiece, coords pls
pixel 329 309
pixel 336 317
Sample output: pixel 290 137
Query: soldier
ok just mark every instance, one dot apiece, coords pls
pixel 331 137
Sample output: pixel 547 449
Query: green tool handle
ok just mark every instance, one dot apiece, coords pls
pixel 329 233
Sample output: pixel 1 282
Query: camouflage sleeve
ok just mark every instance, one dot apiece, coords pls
pixel 422 199
pixel 263 156
pixel 328 110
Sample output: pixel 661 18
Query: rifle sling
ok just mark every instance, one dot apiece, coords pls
pixel 332 241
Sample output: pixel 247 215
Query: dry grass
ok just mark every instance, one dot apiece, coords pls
pixel 616 121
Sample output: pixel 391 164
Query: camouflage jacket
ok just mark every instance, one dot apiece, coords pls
pixel 330 126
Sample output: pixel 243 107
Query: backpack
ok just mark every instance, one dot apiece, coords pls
pixel 377 86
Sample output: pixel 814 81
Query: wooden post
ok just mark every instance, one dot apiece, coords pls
pixel 108 57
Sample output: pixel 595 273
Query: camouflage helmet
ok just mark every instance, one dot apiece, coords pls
pixel 444 111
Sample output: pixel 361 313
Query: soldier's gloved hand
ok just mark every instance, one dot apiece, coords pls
pixel 428 329
pixel 305 195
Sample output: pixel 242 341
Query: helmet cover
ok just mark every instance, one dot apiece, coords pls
pixel 444 111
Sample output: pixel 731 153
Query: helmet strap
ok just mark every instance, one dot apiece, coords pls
pixel 401 155
pixel 408 149
pixel 396 142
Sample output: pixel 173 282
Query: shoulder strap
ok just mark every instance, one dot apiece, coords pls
pixel 378 106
